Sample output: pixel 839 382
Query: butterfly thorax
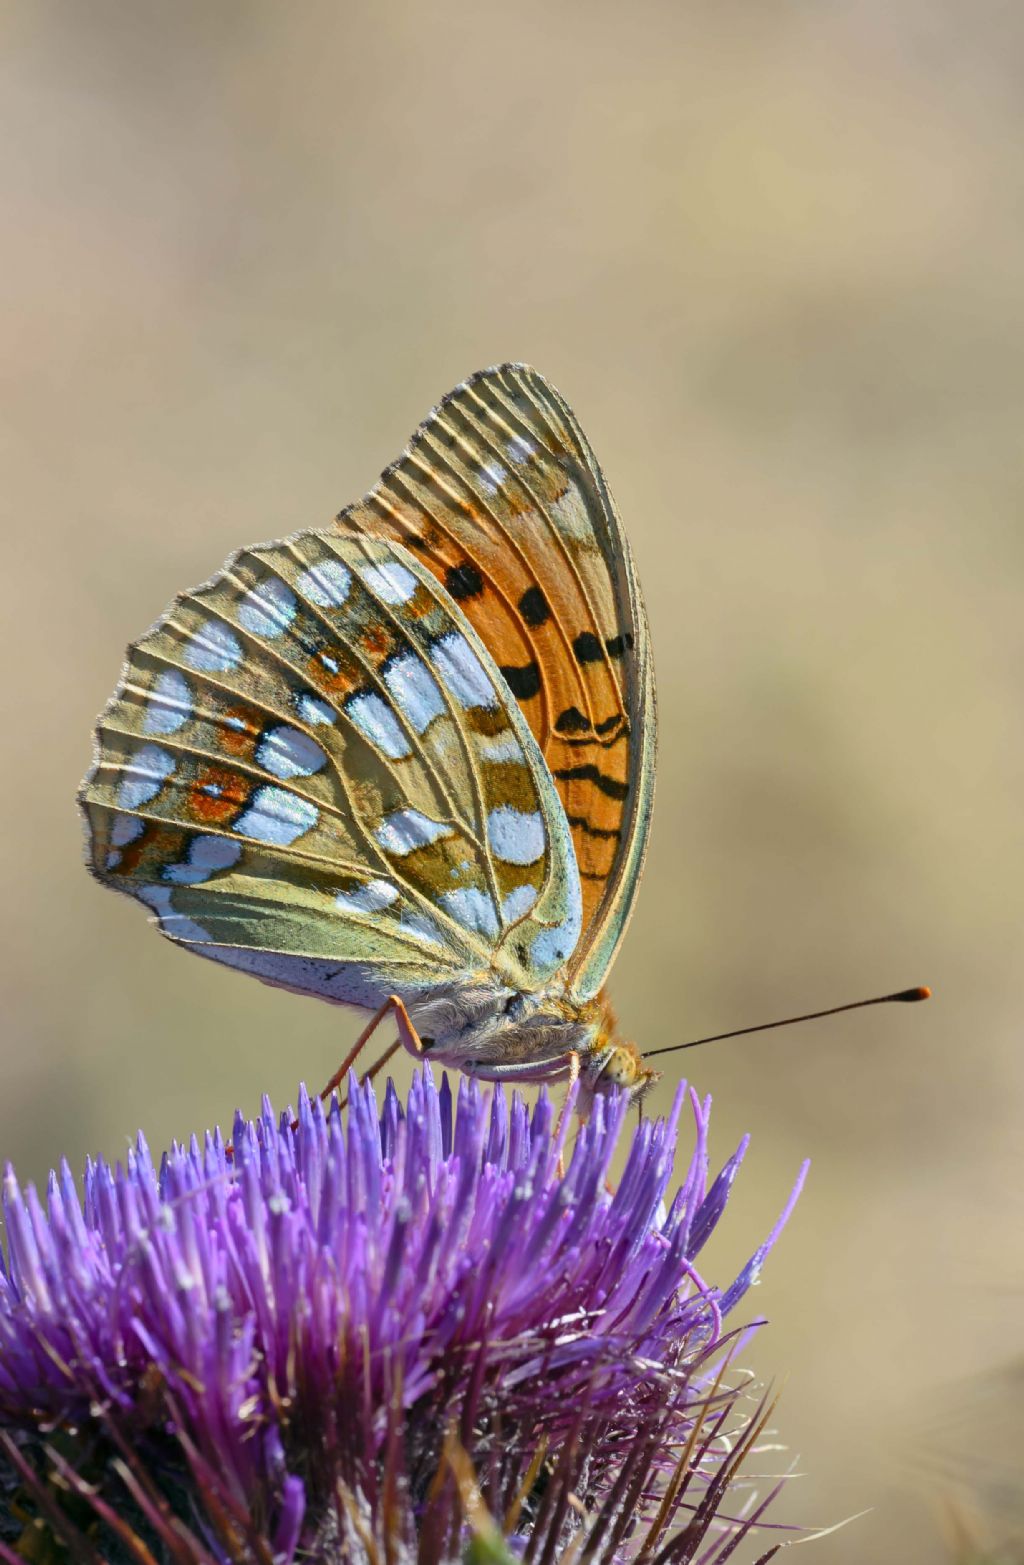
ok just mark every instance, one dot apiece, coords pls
pixel 496 1033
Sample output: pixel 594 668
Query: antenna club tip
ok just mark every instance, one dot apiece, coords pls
pixel 922 992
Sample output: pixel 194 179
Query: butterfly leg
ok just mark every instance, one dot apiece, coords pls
pixel 356 1050
pixel 407 1034
pixel 574 1076
pixel 408 1038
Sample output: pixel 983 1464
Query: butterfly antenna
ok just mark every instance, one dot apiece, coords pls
pixel 904 996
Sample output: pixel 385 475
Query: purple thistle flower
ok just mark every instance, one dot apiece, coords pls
pixel 301 1350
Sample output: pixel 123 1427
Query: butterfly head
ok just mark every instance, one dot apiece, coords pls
pixel 618 1066
pixel 612 1064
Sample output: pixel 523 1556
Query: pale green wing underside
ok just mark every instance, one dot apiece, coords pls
pixel 314 771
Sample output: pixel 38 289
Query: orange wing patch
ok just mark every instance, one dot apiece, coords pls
pixel 217 795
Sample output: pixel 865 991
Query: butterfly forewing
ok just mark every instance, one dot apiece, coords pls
pixel 501 497
pixel 313 770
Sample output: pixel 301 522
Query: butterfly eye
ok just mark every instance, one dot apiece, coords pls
pixel 428 1043
pixel 618 1069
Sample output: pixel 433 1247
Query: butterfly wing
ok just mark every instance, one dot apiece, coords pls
pixel 312 770
pixel 501 497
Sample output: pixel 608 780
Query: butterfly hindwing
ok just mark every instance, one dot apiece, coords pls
pixel 500 496
pixel 313 770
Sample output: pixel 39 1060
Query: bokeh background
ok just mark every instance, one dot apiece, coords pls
pixel 772 253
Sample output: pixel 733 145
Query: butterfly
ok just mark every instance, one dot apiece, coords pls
pixel 406 762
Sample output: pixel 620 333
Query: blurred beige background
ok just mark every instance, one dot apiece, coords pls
pixel 772 253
